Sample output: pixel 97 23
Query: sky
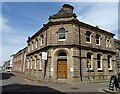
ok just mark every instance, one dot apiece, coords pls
pixel 21 20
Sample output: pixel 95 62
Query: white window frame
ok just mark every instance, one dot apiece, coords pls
pixel 110 46
pixel 61 33
pixel 32 46
pixel 98 40
pixel 31 64
pixel 36 42
pixel 89 37
pixel 41 39
pixel 107 43
pixel 100 63
pixel 110 63
pixel 35 66
pixel 91 62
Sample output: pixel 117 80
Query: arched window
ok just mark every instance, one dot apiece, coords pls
pixel 97 39
pixel 36 43
pixel 89 60
pixel 109 62
pixel 61 34
pixel 88 37
pixel 42 39
pixel 32 45
pixel 99 61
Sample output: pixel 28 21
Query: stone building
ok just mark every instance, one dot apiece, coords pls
pixel 75 51
pixel 117 47
pixel 7 66
pixel 19 60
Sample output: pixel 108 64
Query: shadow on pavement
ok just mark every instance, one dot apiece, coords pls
pixel 5 75
pixel 28 89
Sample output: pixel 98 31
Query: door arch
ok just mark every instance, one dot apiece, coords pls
pixel 62 66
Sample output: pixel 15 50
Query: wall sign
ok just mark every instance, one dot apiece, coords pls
pixel 44 55
pixel 71 69
pixel 51 69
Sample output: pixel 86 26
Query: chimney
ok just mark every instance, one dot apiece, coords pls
pixel 68 8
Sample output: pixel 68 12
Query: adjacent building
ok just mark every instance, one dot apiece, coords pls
pixel 117 47
pixel 19 60
pixel 68 49
pixel 7 66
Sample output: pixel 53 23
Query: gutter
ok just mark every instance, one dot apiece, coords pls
pixel 80 53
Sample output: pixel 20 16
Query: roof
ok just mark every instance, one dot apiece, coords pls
pixel 19 51
pixel 64 13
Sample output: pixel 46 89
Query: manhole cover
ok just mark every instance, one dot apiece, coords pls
pixel 74 88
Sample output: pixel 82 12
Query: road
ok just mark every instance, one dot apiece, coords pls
pixel 15 84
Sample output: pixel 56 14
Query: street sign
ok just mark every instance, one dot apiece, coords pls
pixel 44 55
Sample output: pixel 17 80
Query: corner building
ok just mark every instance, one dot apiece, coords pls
pixel 76 51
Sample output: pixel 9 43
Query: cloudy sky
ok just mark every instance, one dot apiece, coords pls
pixel 20 20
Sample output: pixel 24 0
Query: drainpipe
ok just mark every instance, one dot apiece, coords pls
pixel 80 53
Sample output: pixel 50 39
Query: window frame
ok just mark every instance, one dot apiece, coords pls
pixel 91 58
pixel 107 43
pixel 101 66
pixel 97 39
pixel 32 46
pixel 59 33
pixel 36 43
pixel 88 36
pixel 109 58
pixel 41 40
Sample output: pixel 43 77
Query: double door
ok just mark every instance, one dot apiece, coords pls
pixel 62 69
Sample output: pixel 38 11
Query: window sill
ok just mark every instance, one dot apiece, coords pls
pixel 62 40
pixel 110 69
pixel 98 44
pixel 88 42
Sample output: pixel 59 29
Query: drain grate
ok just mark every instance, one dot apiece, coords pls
pixel 74 88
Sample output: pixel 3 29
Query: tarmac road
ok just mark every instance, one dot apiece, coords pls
pixel 14 84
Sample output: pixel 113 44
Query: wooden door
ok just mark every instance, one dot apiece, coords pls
pixel 62 69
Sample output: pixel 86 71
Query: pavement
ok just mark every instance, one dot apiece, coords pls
pixel 62 87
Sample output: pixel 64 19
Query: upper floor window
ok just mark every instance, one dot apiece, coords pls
pixel 32 46
pixel 108 43
pixel 98 39
pixel 99 61
pixel 88 37
pixel 36 43
pixel 61 34
pixel 42 39
pixel 109 62
pixel 89 60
